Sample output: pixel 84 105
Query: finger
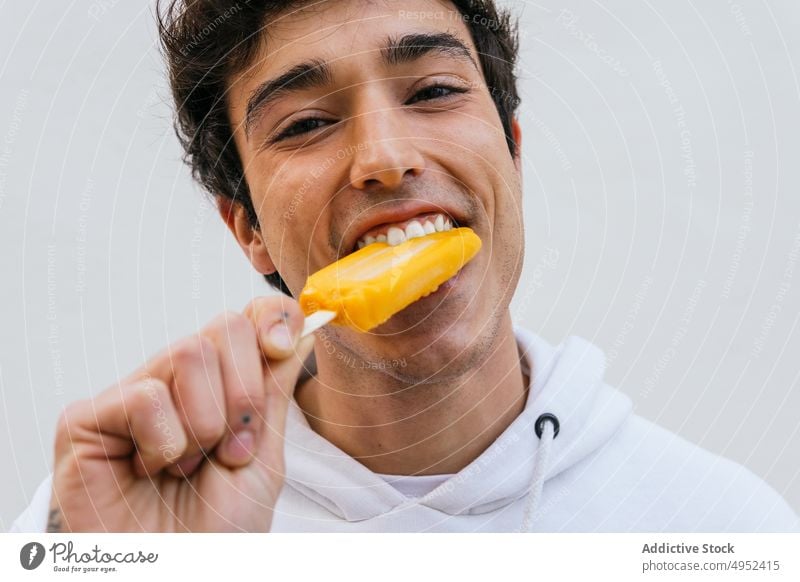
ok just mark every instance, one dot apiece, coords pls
pixel 280 373
pixel 280 379
pixel 242 376
pixel 192 369
pixel 141 414
pixel 278 321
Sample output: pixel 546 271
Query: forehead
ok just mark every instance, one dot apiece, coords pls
pixel 338 31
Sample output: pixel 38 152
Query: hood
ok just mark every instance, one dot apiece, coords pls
pixel 566 381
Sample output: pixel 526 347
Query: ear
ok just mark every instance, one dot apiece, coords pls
pixel 516 133
pixel 249 238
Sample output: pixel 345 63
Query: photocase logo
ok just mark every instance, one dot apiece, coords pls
pixel 31 555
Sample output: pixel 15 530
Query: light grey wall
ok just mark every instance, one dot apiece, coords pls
pixel 661 146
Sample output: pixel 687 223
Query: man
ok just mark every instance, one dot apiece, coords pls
pixel 316 126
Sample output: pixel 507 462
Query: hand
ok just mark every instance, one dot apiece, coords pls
pixel 193 440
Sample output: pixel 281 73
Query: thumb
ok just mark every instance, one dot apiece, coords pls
pixel 280 379
pixel 279 322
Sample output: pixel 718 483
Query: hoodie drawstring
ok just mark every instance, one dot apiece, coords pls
pixel 547 427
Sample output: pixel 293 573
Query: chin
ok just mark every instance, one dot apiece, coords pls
pixel 436 342
pixel 443 357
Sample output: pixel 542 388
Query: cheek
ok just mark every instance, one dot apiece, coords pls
pixel 484 162
pixel 280 206
pixel 293 210
pixel 475 141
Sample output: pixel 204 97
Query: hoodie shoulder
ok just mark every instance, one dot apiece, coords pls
pixel 34 518
pixel 615 471
pixel 680 486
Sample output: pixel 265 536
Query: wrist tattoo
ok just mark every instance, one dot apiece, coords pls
pixel 54 521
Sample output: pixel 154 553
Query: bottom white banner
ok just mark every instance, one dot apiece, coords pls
pixel 390 557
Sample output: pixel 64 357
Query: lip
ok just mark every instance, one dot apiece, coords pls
pixel 398 211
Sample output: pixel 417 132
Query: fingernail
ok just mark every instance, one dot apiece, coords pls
pixel 281 337
pixel 241 445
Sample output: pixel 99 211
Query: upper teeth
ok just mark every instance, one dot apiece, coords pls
pixel 416 228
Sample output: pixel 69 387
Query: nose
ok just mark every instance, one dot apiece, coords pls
pixel 385 153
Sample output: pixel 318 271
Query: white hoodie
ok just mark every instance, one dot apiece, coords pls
pixel 606 470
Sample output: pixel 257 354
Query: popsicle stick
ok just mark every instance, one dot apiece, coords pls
pixel 316 320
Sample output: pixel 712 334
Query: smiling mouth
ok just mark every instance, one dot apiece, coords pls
pixel 395 233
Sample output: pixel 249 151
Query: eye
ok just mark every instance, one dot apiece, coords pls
pixel 434 92
pixel 300 127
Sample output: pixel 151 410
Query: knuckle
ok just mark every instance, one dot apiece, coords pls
pixel 220 322
pixel 207 429
pixel 272 306
pixel 236 324
pixel 252 401
pixel 193 351
pixel 68 431
pixel 156 385
pixel 150 390
pixel 264 302
pixel 66 420
pixel 69 463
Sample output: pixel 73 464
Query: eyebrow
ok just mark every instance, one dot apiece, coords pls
pixel 317 73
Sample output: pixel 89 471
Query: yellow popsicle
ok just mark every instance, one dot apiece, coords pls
pixel 367 287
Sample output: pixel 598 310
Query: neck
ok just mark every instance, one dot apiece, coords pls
pixel 417 429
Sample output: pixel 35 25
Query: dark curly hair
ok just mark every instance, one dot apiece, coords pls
pixel 207 42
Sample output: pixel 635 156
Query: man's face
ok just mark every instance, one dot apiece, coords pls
pixel 365 136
